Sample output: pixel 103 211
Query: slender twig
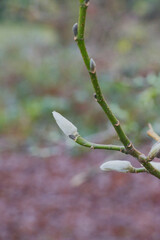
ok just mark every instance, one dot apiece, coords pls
pixel 85 143
pixel 152 133
pixel 79 38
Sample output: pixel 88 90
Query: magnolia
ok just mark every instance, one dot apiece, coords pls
pixel 156 165
pixel 66 126
pixel 117 165
pixel 155 151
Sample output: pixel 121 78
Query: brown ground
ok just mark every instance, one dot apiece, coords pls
pixel 37 201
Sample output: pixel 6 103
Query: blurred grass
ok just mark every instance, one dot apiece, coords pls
pixel 40 73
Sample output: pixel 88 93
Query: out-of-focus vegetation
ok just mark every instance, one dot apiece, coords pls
pixel 42 71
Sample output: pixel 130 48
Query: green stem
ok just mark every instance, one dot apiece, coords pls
pixel 139 170
pixel 100 99
pixel 91 145
pixel 82 15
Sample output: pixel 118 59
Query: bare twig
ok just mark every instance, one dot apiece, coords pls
pixel 85 143
pixel 152 133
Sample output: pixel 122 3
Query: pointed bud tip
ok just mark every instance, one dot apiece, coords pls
pixel 54 113
pixel 92 65
pixel 65 125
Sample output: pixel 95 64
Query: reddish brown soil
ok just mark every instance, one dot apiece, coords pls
pixel 37 201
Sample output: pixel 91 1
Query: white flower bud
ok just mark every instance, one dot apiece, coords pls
pixel 155 151
pixel 156 165
pixel 66 126
pixel 117 165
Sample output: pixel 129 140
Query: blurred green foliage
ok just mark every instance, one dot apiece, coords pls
pixel 42 71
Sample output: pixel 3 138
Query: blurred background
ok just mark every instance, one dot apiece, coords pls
pixel 50 187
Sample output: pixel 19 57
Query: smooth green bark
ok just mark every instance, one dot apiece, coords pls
pixel 85 143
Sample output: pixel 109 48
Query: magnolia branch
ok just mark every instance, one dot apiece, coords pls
pixel 78 30
pixel 71 131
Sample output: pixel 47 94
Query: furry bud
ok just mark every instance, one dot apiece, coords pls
pixel 75 30
pixel 117 165
pixel 155 151
pixel 92 66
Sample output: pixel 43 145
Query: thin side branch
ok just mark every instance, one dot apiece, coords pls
pixel 151 133
pixel 83 142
